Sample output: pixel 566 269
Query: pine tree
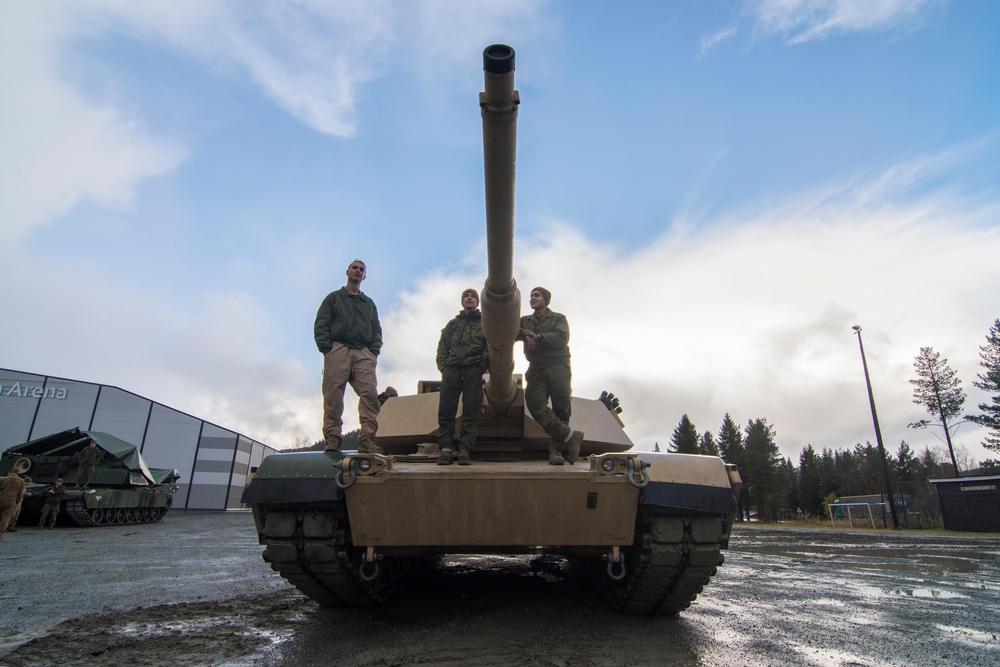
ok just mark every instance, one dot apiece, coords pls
pixel 761 460
pixel 939 390
pixel 989 381
pixel 685 437
pixel 810 482
pixel 906 465
pixel 731 450
pixel 707 445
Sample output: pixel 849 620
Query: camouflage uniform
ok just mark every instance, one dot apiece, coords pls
pixel 53 501
pixel 11 494
pixel 549 374
pixel 462 359
pixel 87 458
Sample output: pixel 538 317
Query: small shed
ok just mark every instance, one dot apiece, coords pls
pixel 970 503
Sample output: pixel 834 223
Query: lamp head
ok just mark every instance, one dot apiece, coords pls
pixel 856 328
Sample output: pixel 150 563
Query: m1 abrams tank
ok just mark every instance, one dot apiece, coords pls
pixel 346 527
pixel 122 489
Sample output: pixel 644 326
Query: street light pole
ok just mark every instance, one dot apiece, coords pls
pixel 878 432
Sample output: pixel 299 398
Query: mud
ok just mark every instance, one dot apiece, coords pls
pixel 192 590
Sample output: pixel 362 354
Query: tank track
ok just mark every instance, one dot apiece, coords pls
pixel 311 548
pixel 120 516
pixel 674 556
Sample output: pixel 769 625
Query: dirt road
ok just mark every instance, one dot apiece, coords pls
pixel 193 590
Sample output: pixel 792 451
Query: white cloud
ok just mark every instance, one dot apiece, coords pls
pixel 56 147
pixel 799 21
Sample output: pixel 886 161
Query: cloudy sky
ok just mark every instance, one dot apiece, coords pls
pixel 714 192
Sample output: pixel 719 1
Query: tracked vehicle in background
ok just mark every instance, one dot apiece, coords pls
pixel 121 490
pixel 347 528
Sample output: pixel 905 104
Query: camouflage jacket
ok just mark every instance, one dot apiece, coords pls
pixel 89 457
pixel 462 342
pixel 553 338
pixel 351 319
pixel 53 494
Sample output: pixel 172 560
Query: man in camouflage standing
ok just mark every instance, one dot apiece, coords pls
pixel 53 501
pixel 462 359
pixel 546 345
pixel 348 333
pixel 87 458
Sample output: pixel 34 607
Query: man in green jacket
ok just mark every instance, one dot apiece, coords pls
pixel 546 345
pixel 348 333
pixel 461 358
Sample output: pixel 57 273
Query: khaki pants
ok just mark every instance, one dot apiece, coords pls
pixel 545 383
pixel 342 365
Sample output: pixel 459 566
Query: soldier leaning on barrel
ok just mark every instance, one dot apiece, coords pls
pixel 53 501
pixel 349 334
pixel 462 358
pixel 87 458
pixel 546 345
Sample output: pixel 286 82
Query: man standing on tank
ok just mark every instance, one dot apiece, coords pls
pixel 87 458
pixel 546 345
pixel 462 359
pixel 348 333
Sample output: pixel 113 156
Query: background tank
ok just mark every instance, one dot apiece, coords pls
pixel 121 490
pixel 348 528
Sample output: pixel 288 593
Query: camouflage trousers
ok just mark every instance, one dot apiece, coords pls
pixel 467 381
pixel 83 475
pixel 49 511
pixel 543 384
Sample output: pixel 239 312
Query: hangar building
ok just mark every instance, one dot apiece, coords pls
pixel 213 462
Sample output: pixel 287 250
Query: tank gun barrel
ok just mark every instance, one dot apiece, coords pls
pixel 501 299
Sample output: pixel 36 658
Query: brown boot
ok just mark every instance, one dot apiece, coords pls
pixel 368 445
pixel 331 445
pixel 573 447
pixel 445 458
pixel 555 454
pixel 464 459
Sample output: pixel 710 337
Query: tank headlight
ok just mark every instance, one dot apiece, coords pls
pixel 364 465
pixel 608 465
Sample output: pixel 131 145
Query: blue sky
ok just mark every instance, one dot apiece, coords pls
pixel 713 191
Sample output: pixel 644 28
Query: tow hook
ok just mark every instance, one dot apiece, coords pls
pixel 616 566
pixel 642 473
pixel 369 566
pixel 349 466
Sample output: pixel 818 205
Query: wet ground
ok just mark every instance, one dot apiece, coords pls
pixel 193 590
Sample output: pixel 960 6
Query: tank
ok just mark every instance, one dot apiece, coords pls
pixel 348 528
pixel 122 489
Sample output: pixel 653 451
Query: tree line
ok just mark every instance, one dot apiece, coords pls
pixel 773 484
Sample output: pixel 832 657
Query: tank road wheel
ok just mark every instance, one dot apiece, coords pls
pixel 97 516
pixel 119 516
pixel 673 558
pixel 130 515
pixel 311 549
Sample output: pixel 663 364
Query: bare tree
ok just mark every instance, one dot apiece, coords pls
pixel 939 390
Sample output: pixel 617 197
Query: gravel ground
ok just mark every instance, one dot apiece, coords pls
pixel 193 590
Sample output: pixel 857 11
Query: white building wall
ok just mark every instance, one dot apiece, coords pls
pixel 213 461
